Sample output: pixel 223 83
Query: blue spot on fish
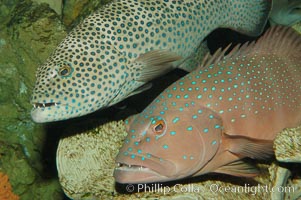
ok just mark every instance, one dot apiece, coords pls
pixel 175 120
pixel 172 133
pixel 217 126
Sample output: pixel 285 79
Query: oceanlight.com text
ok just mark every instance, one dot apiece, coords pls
pixel 215 188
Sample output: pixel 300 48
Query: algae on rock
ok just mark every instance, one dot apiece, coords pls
pixel 56 5
pixel 29 32
pixel 297 27
pixel 23 176
pixel 27 36
pixel 75 10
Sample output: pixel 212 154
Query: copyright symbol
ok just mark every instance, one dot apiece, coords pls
pixel 130 188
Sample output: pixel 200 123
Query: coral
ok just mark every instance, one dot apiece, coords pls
pixel 85 162
pixel 6 189
pixel 287 145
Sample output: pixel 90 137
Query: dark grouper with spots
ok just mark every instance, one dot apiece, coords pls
pixel 229 108
pixel 114 52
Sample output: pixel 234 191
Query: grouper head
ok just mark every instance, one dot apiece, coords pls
pixel 77 79
pixel 167 141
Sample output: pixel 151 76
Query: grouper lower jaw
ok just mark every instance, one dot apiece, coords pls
pixel 150 170
pixel 139 175
pixel 50 112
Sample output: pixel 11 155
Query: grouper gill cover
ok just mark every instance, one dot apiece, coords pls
pixel 114 52
pixel 229 108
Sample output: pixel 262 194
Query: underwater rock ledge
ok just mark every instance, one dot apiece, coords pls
pixel 287 145
pixel 86 162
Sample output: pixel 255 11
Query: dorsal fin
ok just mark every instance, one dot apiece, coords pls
pixel 281 40
pixel 215 58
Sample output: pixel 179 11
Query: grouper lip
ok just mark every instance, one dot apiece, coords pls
pixel 44 105
pixel 40 110
pixel 136 174
pixel 144 172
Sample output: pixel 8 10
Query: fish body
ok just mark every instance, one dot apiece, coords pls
pixel 285 12
pixel 229 108
pixel 114 52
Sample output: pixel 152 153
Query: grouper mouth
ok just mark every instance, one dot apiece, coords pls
pixel 144 172
pixel 44 105
pixel 129 167
pixel 52 111
pixel 127 173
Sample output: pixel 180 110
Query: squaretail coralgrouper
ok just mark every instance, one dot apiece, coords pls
pixel 116 51
pixel 230 108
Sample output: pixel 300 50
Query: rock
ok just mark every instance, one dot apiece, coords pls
pixel 27 39
pixel 6 7
pixel 56 5
pixel 27 36
pixel 293 189
pixel 297 27
pixel 287 149
pixel 287 145
pixel 24 178
pixel 75 10
pixel 284 185
pixel 279 177
pixel 6 189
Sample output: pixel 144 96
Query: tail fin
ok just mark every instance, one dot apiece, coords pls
pixel 247 16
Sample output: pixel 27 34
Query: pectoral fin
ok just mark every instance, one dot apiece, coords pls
pixel 238 168
pixel 140 89
pixel 248 147
pixel 153 64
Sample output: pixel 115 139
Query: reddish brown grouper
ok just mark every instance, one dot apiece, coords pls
pixel 230 108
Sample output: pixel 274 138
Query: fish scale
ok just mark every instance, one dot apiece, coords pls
pixel 127 43
pixel 229 108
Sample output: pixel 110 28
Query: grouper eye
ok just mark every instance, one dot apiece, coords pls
pixel 65 70
pixel 159 127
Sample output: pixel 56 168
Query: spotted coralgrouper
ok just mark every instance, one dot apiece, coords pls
pixel 229 108
pixel 114 52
